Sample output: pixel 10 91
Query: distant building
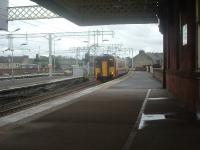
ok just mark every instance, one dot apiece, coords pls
pixel 6 62
pixel 29 66
pixel 66 63
pixel 144 59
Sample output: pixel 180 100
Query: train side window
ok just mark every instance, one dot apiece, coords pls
pixel 121 64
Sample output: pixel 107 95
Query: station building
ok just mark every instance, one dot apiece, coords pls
pixel 179 22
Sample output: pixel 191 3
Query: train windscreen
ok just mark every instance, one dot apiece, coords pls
pixel 97 64
pixel 111 63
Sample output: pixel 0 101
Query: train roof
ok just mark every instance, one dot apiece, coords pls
pixel 105 57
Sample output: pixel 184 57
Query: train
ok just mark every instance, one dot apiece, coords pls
pixel 108 67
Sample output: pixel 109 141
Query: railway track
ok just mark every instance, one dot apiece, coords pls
pixel 21 104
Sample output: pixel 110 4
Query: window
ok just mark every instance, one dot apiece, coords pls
pixel 111 62
pixel 184 34
pixel 97 64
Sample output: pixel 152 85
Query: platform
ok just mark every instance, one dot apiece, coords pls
pixel 166 125
pixel 107 117
pixel 25 82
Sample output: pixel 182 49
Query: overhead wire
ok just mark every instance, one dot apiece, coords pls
pixel 36 25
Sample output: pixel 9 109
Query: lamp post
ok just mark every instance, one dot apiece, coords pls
pixel 88 65
pixel 10 48
pixel 131 51
pixel 54 60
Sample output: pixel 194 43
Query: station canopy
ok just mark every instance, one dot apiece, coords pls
pixel 101 12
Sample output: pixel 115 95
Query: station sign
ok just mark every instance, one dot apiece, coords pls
pixel 4 15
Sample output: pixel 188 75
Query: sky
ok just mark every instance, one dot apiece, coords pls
pixel 136 37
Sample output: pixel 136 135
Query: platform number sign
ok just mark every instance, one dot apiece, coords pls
pixel 184 34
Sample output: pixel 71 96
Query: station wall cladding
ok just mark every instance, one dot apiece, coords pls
pixel 178 26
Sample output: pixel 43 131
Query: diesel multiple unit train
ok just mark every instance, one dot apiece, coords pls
pixel 108 67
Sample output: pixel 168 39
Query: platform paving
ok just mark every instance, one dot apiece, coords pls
pixel 23 82
pixel 166 125
pixel 105 118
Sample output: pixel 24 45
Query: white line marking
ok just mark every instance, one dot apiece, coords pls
pixel 158 98
pixel 151 117
pixel 133 132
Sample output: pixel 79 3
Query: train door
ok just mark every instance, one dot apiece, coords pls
pixel 104 68
pixel 111 68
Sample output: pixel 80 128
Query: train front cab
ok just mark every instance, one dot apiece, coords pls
pixel 105 68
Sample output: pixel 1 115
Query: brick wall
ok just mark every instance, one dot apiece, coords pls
pixel 180 60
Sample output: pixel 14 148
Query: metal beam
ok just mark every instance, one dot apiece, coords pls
pixel 59 34
pixel 89 12
pixel 30 13
pixel 99 12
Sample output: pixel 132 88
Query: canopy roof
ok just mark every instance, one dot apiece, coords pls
pixel 99 12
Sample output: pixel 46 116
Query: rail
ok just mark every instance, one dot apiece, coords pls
pixel 21 104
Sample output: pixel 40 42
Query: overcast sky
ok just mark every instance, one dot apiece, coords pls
pixel 137 37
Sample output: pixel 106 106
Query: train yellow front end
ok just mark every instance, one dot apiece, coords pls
pixel 104 67
pixel 107 67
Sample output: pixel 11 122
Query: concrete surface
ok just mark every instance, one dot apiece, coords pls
pixel 10 84
pixel 105 118
pixel 168 125
pixel 100 120
pixel 48 107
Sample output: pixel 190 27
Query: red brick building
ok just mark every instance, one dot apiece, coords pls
pixel 179 24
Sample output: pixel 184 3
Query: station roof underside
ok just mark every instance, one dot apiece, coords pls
pixel 102 12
